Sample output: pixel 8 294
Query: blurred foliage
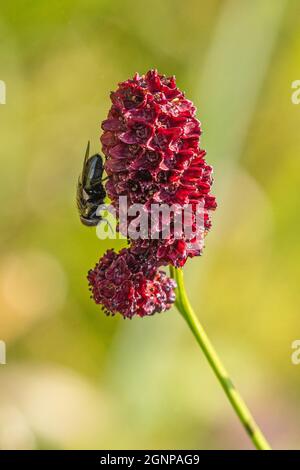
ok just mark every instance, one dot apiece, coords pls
pixel 75 378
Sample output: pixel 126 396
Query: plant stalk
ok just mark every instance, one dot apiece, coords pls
pixel 183 305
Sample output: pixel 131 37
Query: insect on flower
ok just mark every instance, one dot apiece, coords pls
pixel 90 189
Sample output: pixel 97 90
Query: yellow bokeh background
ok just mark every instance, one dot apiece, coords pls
pixel 75 379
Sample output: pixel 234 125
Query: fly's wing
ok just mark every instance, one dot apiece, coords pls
pixel 87 153
pixel 79 195
pixel 81 177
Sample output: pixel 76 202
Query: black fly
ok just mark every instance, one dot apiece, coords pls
pixel 90 189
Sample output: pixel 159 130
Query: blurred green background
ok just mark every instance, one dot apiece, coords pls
pixel 74 378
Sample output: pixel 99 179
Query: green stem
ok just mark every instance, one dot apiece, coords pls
pixel 238 404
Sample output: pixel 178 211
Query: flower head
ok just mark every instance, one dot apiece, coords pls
pixel 151 144
pixel 128 284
